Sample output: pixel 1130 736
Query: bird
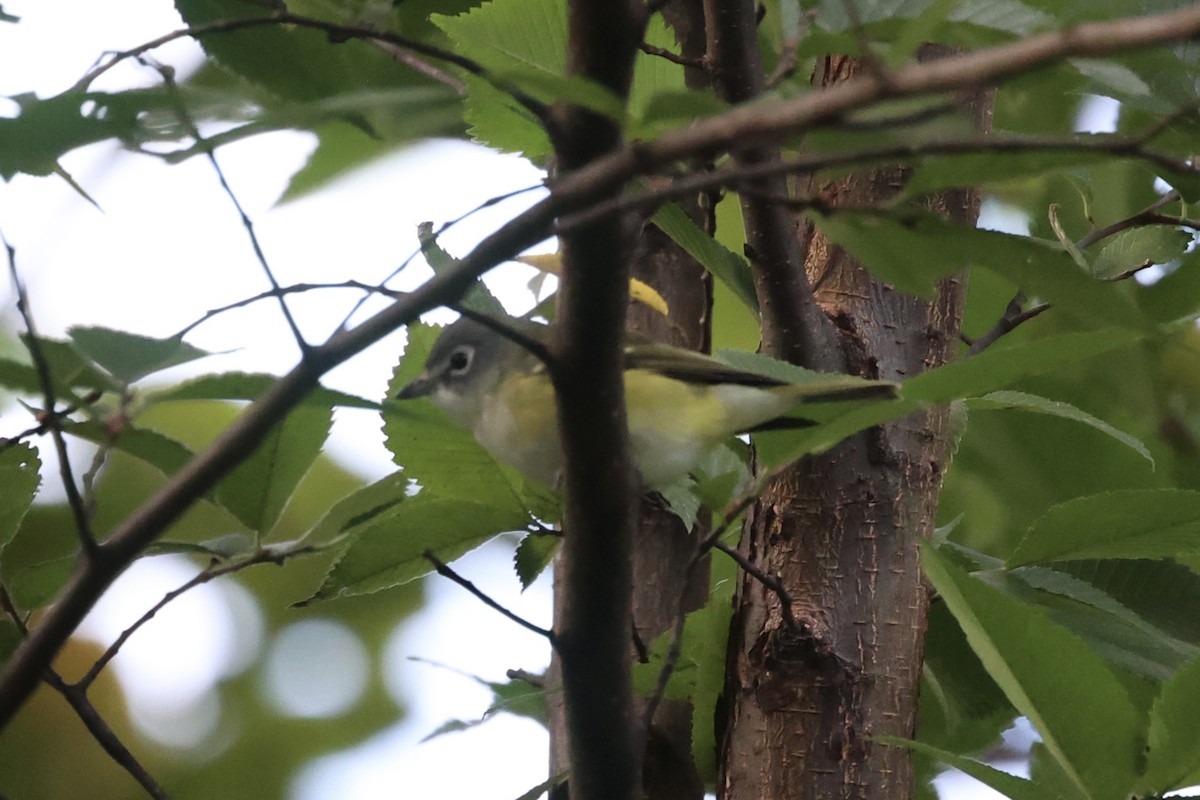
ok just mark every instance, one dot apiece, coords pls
pixel 679 403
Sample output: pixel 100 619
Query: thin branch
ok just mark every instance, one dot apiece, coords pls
pixel 337 33
pixel 76 697
pixel 83 525
pixel 446 572
pixel 185 119
pixel 210 573
pixel 674 58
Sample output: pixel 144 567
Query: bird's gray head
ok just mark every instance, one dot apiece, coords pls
pixel 464 366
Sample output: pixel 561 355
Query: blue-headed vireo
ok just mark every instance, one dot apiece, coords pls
pixel 679 403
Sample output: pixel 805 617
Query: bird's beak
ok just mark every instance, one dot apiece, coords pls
pixel 421 387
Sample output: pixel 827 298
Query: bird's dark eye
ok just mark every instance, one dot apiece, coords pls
pixel 460 360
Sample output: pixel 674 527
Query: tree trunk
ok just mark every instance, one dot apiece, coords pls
pixel 841 531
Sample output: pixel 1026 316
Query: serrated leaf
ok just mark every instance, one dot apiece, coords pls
pixel 1138 247
pixel 1173 753
pixel 1081 710
pixel 128 357
pixel 1056 408
pixel 1136 523
pixel 257 490
pixel 533 555
pixel 248 386
pixel 389 549
pixel 724 264
pixel 222 547
pixel 19 481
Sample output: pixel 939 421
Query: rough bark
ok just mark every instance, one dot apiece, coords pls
pixel 841 530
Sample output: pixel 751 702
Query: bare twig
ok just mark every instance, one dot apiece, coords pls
pixel 76 697
pixel 83 525
pixel 446 572
pixel 674 58
pixel 189 124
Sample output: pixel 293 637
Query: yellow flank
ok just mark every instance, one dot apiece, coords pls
pixel 671 423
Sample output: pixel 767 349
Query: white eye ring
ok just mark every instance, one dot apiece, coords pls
pixel 460 360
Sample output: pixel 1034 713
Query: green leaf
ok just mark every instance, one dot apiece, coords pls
pixel 292 62
pixel 1011 786
pixel 257 490
pixel 1174 739
pixel 388 550
pixel 533 555
pixel 1081 710
pixel 1055 408
pixel 128 357
pixel 19 481
pixel 1137 523
pixel 992 369
pixel 36 585
pixel 10 634
pixel 913 255
pixel 478 297
pixel 248 386
pixel 7 18
pixel 1006 362
pixel 359 508
pixel 68 368
pixel 46 130
pixel 161 452
pixel 1136 248
pixel 1111 630
pixel 725 265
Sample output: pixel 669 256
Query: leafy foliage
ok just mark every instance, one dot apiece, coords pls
pixel 1068 570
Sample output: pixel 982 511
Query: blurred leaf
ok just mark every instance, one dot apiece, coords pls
pixel 19 481
pixel 36 584
pixel 389 549
pixel 46 130
pixel 1055 408
pixel 1140 523
pixel 7 17
pixel 533 555
pixel 248 386
pixel 68 368
pixel 975 169
pixel 10 637
pixel 129 357
pixel 1136 248
pixel 1173 753
pixel 727 266
pixel 1176 295
pixel 257 490
pixel 1082 712
pixel 291 62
